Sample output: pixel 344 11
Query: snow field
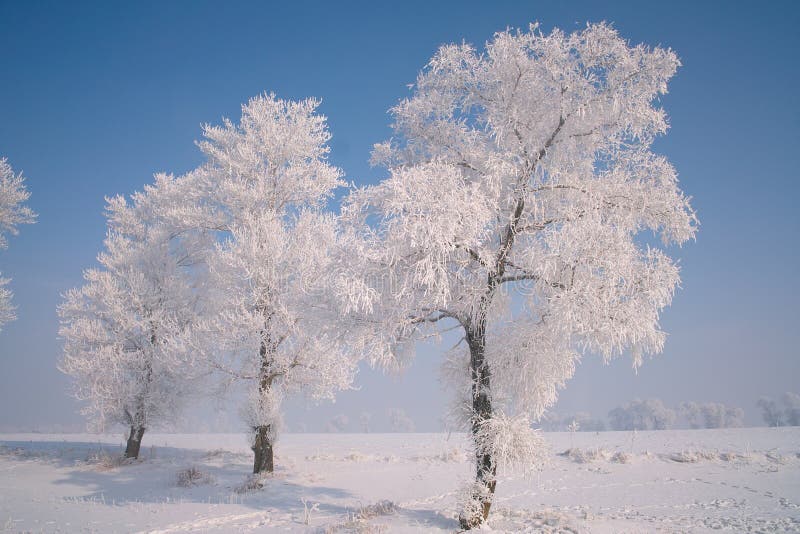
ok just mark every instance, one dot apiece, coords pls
pixel 735 480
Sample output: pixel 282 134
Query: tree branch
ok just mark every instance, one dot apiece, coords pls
pixel 429 319
pixel 474 255
pixel 530 276
pixel 507 240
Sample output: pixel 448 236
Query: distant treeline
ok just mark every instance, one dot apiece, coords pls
pixel 652 414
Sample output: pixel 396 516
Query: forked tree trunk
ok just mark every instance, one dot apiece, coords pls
pixel 262 447
pixel 134 442
pixel 485 468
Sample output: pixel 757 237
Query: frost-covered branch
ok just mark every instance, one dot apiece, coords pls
pixel 528 164
pixel 13 212
pixel 126 329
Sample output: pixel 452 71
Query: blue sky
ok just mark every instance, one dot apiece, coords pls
pixel 96 97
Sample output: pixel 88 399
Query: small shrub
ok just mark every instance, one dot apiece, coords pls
pixel 252 483
pixel 358 520
pixel 692 457
pixel 193 476
pixel 102 460
pixel 622 458
pixel 585 456
pixel 734 456
pixel 216 453
pixel 453 454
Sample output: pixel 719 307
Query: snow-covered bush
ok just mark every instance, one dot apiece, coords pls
pixel 358 520
pixel 192 476
pixel 583 456
pixel 622 457
pixel 103 460
pixel 253 482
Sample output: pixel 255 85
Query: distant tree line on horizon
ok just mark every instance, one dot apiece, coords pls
pixel 652 414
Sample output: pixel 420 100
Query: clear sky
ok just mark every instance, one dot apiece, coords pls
pixel 96 97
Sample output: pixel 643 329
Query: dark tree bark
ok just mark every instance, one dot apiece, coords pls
pixel 134 442
pixel 137 429
pixel 475 330
pixel 263 461
pixel 481 411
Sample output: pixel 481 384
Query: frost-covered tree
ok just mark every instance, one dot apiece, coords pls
pixel 551 421
pixel 723 416
pixel 124 329
pixel 337 424
pixel 648 414
pixel 586 423
pixel 554 422
pixel 365 419
pixel 279 327
pixel 521 178
pixel 399 421
pixel 13 212
pixel 711 415
pixel 770 411
pixel 692 413
pixel 791 414
pixel 775 415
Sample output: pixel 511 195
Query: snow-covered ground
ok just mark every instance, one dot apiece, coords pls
pixel 740 480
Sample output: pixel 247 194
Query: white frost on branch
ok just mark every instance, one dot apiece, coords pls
pixel 125 329
pixel 281 322
pixel 263 408
pixel 13 212
pixel 511 442
pixel 521 181
pixel 13 194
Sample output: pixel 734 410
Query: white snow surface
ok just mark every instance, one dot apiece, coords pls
pixel 736 480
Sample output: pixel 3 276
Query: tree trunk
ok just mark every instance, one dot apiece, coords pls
pixel 134 442
pixel 137 429
pixel 485 468
pixel 264 461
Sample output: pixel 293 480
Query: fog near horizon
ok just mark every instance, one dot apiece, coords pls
pixel 101 97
